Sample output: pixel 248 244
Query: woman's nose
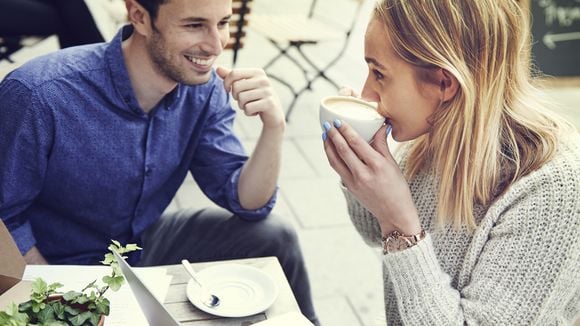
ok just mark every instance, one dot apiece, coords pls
pixel 368 94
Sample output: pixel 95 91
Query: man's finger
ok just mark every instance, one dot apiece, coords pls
pixel 223 72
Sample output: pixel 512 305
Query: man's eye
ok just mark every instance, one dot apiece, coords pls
pixel 223 24
pixel 194 26
pixel 378 74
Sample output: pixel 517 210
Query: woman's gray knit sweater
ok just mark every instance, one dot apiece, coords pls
pixel 521 266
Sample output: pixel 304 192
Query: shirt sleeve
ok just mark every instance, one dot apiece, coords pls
pixel 24 147
pixel 219 158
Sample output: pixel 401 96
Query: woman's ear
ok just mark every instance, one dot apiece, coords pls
pixel 449 84
pixel 138 16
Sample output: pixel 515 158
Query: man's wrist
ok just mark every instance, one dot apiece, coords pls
pixel 34 257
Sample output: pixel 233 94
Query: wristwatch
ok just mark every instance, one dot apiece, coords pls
pixel 396 241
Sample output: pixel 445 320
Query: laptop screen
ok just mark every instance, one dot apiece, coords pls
pixel 154 311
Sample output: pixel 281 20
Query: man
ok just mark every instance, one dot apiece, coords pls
pixel 96 140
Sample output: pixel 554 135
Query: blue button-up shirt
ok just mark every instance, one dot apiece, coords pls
pixel 81 163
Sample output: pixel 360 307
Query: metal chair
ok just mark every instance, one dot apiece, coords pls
pixel 294 32
pixel 241 13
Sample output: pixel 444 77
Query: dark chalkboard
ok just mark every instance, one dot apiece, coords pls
pixel 556 35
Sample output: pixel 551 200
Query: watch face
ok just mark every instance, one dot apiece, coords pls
pixel 394 244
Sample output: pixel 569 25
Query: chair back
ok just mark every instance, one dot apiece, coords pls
pixel 240 14
pixel 326 11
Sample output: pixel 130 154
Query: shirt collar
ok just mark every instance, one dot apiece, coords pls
pixel 120 75
pixel 118 69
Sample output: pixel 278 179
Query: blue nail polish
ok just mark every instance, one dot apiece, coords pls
pixel 326 125
pixel 324 136
pixel 389 128
pixel 337 123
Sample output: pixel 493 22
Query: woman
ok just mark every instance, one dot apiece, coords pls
pixel 479 215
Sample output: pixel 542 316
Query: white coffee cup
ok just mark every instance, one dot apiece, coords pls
pixel 361 115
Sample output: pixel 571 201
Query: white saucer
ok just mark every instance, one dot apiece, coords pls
pixel 243 290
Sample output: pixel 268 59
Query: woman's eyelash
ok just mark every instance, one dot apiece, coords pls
pixel 378 74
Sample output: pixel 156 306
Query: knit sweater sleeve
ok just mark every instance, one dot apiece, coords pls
pixel 522 265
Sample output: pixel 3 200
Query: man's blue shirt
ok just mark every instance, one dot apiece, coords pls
pixel 81 163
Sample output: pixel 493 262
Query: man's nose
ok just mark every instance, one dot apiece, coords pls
pixel 214 41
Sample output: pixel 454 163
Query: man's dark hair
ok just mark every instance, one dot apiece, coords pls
pixel 152 6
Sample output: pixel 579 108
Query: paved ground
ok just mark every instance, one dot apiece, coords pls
pixel 345 274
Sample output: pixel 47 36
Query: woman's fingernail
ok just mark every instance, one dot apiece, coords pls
pixel 326 125
pixel 337 123
pixel 324 136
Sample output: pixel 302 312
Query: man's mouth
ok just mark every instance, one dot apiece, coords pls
pixel 199 61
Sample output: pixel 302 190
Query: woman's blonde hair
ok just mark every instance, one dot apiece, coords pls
pixel 496 129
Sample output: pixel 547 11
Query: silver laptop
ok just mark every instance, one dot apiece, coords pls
pixel 154 311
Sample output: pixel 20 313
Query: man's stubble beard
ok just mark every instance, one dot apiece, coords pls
pixel 164 65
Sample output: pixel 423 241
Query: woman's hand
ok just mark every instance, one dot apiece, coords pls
pixel 371 174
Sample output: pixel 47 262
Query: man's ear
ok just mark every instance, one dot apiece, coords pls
pixel 138 16
pixel 449 84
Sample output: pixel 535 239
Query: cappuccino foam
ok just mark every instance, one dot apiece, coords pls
pixel 353 110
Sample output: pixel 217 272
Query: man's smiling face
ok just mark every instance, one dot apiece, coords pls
pixel 187 37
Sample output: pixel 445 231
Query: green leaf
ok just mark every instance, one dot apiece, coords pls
pixel 25 306
pixel 55 323
pixel 39 286
pixel 103 307
pixel 45 314
pixel 81 299
pixel 80 319
pixel 71 295
pixel 12 316
pixel 114 282
pixel 38 306
pixel 7 320
pixel 52 287
pixel 132 247
pixel 109 258
pixel 71 311
pixel 94 320
pixel 58 309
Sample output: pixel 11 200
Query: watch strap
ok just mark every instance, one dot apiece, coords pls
pixel 397 241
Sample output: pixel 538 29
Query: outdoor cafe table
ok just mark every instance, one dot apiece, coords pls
pixel 187 314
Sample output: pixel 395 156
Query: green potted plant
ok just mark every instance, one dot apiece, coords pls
pixel 49 307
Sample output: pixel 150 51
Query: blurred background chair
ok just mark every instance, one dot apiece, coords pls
pixel 291 34
pixel 238 24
